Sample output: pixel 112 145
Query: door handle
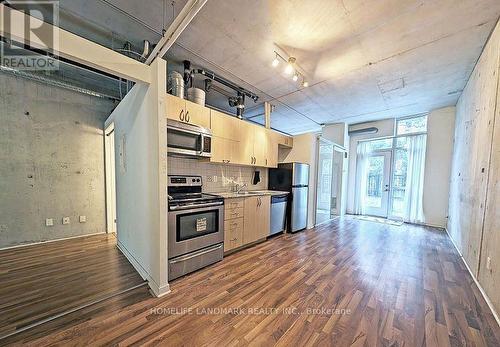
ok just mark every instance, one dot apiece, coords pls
pixel 181 115
pixel 187 116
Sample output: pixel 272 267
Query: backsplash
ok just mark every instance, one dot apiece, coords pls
pixel 226 176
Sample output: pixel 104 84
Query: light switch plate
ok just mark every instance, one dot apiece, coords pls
pixel 83 219
pixel 488 263
pixel 65 220
pixel 49 222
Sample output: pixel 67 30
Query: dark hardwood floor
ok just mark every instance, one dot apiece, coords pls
pixel 345 283
pixel 44 280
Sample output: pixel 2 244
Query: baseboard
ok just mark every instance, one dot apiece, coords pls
pixel 50 241
pixel 156 290
pixel 483 293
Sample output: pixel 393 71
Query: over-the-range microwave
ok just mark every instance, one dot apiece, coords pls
pixel 188 140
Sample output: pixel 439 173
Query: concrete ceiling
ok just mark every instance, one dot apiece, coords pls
pixel 364 59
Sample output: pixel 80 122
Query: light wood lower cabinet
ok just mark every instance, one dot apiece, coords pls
pixel 256 218
pixel 233 234
pixel 246 220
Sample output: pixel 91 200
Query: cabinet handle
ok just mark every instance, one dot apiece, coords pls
pixel 181 115
pixel 187 116
pixel 234 239
pixel 266 161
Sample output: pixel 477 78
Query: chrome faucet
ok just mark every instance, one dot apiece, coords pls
pixel 239 188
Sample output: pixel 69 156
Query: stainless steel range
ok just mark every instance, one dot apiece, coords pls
pixel 195 226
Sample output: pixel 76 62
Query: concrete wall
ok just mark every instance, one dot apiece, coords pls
pixel 51 161
pixel 474 222
pixel 440 130
pixel 304 151
pixel 141 178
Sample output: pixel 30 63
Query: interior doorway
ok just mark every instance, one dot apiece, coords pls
pixel 329 181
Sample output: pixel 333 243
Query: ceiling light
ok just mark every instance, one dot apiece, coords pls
pixel 289 66
pixel 276 61
pixel 295 77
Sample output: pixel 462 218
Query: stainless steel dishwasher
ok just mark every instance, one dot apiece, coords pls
pixel 278 213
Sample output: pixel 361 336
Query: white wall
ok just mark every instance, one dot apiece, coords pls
pixel 141 167
pixel 336 133
pixel 385 128
pixel 440 130
pixel 304 151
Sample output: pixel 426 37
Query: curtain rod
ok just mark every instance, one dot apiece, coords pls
pixel 392 137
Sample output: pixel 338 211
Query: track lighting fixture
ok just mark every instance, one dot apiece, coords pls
pixel 276 61
pixel 291 68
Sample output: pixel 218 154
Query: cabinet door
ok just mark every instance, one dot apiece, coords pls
pixel 264 217
pixel 219 150
pixel 256 218
pixel 233 234
pixel 175 107
pixel 246 133
pixel 249 220
pixel 260 146
pixel 197 114
pixel 272 149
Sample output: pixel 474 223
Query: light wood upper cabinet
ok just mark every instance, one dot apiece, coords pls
pixel 247 135
pixel 256 220
pixel 240 142
pixel 226 139
pixel 197 114
pixel 186 111
pixel 175 107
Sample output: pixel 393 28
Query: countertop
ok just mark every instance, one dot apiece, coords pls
pixel 231 195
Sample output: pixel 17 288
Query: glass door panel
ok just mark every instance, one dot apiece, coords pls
pixel 377 184
pixel 324 184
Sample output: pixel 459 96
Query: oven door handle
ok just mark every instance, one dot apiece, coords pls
pixel 187 207
pixel 196 254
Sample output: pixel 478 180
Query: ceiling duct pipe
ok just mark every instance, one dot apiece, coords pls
pixel 223 81
pixel 237 101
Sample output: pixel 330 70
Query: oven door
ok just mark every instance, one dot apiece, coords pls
pixel 194 227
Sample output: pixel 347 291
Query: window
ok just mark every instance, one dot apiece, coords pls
pixel 378 145
pixel 411 125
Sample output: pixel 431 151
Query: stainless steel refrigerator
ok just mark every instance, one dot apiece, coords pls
pixel 293 178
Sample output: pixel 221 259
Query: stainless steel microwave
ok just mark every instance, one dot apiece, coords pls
pixel 188 140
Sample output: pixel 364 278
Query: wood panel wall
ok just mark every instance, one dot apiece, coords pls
pixel 474 222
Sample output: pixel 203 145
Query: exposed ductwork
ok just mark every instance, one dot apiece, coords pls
pixel 237 101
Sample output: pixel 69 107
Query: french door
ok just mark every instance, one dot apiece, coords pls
pixel 378 178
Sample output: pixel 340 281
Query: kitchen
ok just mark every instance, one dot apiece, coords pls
pixel 241 195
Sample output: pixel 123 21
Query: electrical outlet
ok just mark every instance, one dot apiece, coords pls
pixel 488 263
pixel 209 179
pixel 214 179
pixel 65 220
pixel 49 222
pixel 83 219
